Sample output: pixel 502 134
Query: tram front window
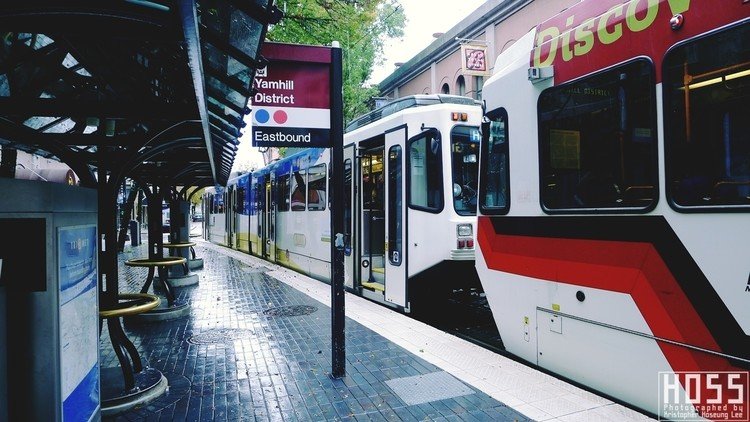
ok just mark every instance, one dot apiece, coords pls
pixel 464 162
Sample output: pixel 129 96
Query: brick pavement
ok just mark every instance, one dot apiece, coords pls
pixel 254 348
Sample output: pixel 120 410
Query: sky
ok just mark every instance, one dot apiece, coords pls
pixel 423 19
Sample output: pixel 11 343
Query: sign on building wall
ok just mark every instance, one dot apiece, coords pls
pixel 292 106
pixel 474 60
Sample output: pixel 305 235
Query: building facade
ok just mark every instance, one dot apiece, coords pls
pixel 449 66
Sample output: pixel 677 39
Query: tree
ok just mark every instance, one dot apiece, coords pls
pixel 360 26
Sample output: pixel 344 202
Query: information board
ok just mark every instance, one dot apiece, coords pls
pixel 79 322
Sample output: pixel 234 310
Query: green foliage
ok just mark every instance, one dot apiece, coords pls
pixel 360 26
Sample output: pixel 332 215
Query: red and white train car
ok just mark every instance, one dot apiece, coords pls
pixel 613 228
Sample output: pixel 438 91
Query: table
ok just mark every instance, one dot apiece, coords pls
pixel 181 245
pixel 161 263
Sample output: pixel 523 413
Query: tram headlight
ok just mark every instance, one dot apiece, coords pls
pixel 464 230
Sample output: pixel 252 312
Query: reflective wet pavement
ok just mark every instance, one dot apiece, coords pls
pixel 254 348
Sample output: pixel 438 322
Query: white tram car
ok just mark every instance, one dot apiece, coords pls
pixel 614 196
pixel 410 204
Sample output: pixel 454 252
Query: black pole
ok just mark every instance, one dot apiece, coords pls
pixel 337 216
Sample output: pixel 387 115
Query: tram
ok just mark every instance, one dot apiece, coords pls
pixel 410 182
pixel 614 195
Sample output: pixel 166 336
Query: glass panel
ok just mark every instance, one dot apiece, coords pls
pixel 316 188
pixel 298 191
pixel 465 167
pixel 244 31
pixel 282 189
pixel 597 140
pixel 395 205
pixel 706 109
pixel 218 61
pixel 495 187
pixel 426 172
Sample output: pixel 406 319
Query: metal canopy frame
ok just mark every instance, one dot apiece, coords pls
pixel 158 89
pixel 116 89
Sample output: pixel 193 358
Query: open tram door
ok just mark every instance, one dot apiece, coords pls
pixel 268 240
pixel 382 264
pixel 372 221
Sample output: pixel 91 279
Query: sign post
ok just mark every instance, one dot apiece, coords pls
pixel 299 104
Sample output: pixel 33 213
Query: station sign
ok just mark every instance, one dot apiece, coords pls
pixel 292 105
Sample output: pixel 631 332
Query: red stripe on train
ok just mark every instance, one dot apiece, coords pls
pixel 633 268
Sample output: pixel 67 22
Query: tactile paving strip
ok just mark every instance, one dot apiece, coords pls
pixel 434 386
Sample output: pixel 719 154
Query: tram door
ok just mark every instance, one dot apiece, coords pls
pixel 395 212
pixel 269 216
pixel 372 218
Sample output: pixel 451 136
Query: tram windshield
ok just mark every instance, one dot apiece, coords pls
pixel 465 162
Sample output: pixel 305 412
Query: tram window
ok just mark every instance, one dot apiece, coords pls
pixel 298 191
pixel 495 186
pixel 706 109
pixel 282 193
pixel 426 172
pixel 395 205
pixel 464 163
pixel 316 188
pixel 597 141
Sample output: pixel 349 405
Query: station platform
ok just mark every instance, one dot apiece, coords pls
pixel 256 347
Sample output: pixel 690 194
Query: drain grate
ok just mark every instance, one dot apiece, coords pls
pixel 421 389
pixel 222 335
pixel 287 311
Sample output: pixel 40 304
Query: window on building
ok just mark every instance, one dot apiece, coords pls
pixel 478 85
pixel 445 89
pixel 460 85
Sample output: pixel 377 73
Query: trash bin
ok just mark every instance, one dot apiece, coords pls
pixel 135 233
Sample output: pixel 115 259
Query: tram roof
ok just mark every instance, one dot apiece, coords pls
pixel 153 90
pixel 407 102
